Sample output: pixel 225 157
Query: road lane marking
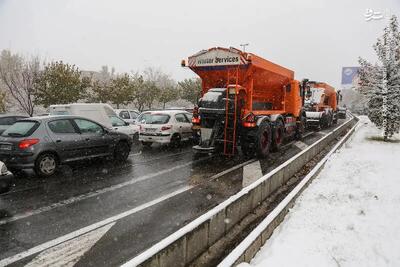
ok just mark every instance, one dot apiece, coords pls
pixel 89 228
pixel 251 172
pixel 89 195
pixel 69 252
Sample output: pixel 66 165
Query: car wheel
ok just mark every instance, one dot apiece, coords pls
pixel 121 152
pixel 175 140
pixel 46 164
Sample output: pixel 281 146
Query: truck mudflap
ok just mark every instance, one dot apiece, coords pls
pixel 206 141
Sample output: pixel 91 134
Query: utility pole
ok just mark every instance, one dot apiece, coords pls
pixel 244 46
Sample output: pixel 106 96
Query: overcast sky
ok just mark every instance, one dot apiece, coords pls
pixel 313 38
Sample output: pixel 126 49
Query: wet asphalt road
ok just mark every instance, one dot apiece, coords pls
pixel 125 208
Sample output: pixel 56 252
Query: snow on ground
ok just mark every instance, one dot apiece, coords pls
pixel 349 215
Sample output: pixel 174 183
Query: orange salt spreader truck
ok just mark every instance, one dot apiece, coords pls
pixel 246 101
pixel 321 104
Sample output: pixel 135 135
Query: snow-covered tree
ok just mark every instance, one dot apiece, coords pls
pixel 380 83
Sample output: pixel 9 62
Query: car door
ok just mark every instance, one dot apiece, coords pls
pixel 182 123
pixel 187 125
pixel 68 141
pixel 97 141
pixel 125 115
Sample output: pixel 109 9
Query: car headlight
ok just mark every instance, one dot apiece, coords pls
pixel 3 169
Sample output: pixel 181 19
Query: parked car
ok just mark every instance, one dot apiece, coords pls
pixel 99 112
pixel 164 127
pixel 128 115
pixel 43 143
pixel 5 178
pixel 8 120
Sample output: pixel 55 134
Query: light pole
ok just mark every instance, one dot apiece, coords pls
pixel 244 46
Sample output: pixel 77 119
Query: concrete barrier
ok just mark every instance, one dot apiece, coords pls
pixel 185 245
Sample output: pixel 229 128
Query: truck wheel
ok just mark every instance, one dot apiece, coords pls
pixel 330 119
pixel 335 118
pixel 263 139
pixel 301 127
pixel 323 122
pixel 278 136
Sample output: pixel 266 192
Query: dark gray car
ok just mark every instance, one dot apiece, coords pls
pixel 42 143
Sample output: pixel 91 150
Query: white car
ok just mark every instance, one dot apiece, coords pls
pixel 164 127
pixel 128 115
pixel 5 178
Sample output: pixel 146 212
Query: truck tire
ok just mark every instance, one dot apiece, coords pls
pixel 278 135
pixel 263 139
pixel 301 127
pixel 335 118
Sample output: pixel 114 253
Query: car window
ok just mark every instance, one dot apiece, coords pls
pixel 61 126
pixel 116 122
pixel 21 129
pixel 181 118
pixel 7 120
pixel 155 118
pixel 124 114
pixel 134 114
pixel 189 117
pixel 86 126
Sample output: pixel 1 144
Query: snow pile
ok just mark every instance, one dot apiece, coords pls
pixel 349 215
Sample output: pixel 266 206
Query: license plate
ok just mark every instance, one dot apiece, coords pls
pixel 5 147
pixel 196 127
pixel 150 130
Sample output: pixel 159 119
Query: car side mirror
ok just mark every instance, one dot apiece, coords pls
pixel 127 123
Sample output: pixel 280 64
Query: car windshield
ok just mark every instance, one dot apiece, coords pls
pixel 21 129
pixel 153 118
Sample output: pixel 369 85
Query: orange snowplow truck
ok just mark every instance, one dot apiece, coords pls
pixel 246 101
pixel 320 104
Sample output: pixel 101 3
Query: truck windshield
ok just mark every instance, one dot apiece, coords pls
pixel 211 96
pixel 315 97
pixel 213 99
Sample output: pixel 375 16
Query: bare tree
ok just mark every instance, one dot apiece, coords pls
pixel 17 76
